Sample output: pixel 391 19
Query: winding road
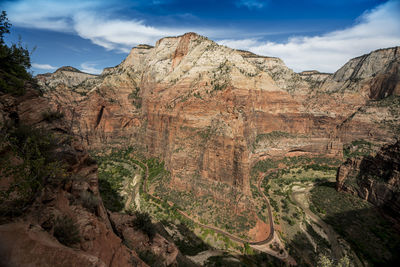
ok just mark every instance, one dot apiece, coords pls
pixel 271 237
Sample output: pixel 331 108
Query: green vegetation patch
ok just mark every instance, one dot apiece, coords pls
pixel 115 168
pixel 14 62
pixel 29 158
pixel 359 222
pixel 358 148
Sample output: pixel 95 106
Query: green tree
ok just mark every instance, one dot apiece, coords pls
pixel 14 62
pixel 5 26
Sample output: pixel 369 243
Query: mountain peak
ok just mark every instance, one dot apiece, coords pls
pixel 68 68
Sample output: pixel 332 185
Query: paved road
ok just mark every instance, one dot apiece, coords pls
pixel 218 230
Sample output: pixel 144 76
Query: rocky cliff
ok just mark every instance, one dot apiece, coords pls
pixel 374 178
pixel 51 210
pixel 210 112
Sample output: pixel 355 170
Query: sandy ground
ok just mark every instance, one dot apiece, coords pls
pixel 260 231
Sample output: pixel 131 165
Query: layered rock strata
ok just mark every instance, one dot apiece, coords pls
pixel 204 108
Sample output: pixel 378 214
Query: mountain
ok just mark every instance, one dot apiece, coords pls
pixel 221 138
pixel 204 108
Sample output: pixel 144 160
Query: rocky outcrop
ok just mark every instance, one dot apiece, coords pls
pixel 165 250
pixel 376 179
pixel 66 76
pixel 67 202
pixel 374 75
pixel 204 109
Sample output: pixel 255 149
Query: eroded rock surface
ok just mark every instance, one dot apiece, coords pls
pixel 376 179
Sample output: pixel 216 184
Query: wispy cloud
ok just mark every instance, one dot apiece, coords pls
pixel 116 33
pixel 89 20
pixel 90 68
pixel 43 66
pixel 250 4
pixel 378 28
pixel 95 20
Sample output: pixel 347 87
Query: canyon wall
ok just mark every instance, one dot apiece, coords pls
pixel 211 112
pixel 374 178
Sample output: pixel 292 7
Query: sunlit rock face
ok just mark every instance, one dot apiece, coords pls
pixel 210 112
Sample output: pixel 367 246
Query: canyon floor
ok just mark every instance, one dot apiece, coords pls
pixel 191 153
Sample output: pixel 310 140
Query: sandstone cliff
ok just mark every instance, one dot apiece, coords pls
pixel 376 179
pixel 51 210
pixel 210 112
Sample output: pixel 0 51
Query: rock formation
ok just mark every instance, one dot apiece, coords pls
pixel 204 108
pixel 376 179
pixel 210 113
pixel 65 204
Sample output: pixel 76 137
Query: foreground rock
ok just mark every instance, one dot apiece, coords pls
pixel 64 223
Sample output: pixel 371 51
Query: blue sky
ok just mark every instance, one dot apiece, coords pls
pixel 94 34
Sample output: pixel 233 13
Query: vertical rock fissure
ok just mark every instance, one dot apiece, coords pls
pixel 99 116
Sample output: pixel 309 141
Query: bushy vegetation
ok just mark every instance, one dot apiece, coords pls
pixel 112 173
pixel 66 231
pixel 187 242
pixel 30 162
pixel 51 116
pixel 358 148
pixel 135 97
pixel 14 62
pixel 143 222
pixel 89 201
pixel 150 258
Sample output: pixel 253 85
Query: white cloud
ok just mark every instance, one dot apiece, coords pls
pixel 46 14
pixel 250 4
pixel 244 44
pixel 90 68
pixel 378 28
pixel 116 33
pixel 89 20
pixel 43 66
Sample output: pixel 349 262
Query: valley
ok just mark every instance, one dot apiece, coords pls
pixel 225 141
pixel 199 154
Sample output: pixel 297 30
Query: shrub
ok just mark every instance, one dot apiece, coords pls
pixel 143 222
pixel 89 201
pixel 150 258
pixel 66 231
pixel 51 116
pixel 36 167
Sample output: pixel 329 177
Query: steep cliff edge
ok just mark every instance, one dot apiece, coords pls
pixel 374 75
pixel 51 210
pixel 376 179
pixel 211 112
